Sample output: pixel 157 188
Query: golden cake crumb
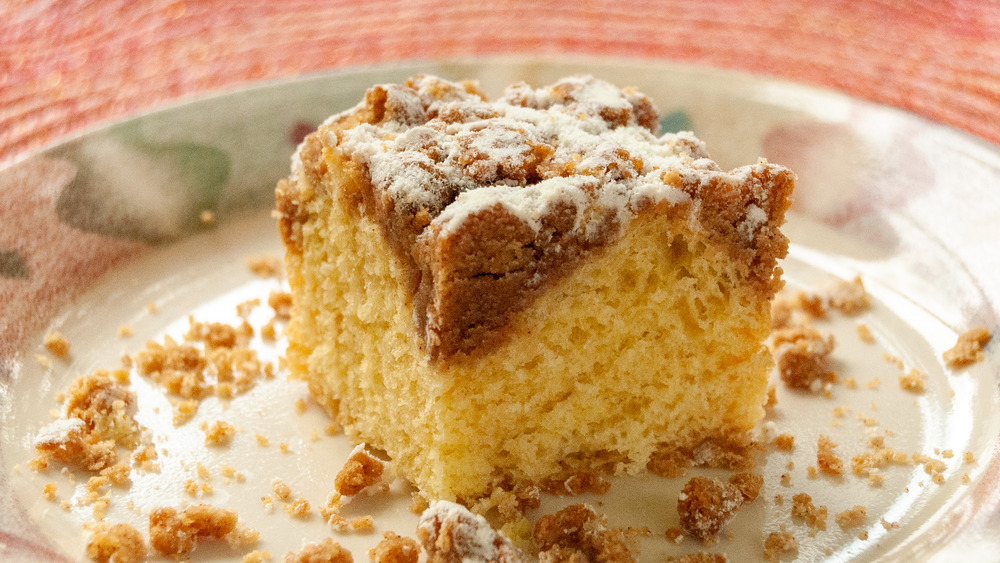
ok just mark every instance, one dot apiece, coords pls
pixel 281 302
pixel 173 532
pixel 889 525
pixel 359 472
pixel 828 461
pixel 124 331
pixel 395 549
pixel 298 508
pixel 280 489
pixel 848 297
pixel 57 345
pixel 116 543
pixel 49 491
pixel 261 440
pixel 802 354
pixel 779 544
pixel 705 505
pixel 578 533
pixel 257 556
pixel 851 518
pixel 265 266
pixel 865 333
pixel 803 507
pixel 784 442
pixel 674 535
pixel 207 217
pixel 915 381
pixel 219 433
pixel 326 551
pixel 968 349
pixel 700 557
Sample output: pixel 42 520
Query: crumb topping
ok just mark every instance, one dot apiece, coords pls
pixel 174 532
pixel 326 551
pixel 705 505
pixel 395 549
pixel 578 533
pixel 450 533
pixel 360 471
pixel 968 349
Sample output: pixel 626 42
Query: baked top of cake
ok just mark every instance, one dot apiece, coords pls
pixel 486 203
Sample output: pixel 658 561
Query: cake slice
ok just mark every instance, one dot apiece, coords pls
pixel 497 292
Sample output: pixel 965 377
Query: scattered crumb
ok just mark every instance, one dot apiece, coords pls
pixel 116 543
pixel 219 433
pixel 326 551
pixel 848 297
pixel 802 354
pixel 176 533
pixel 851 518
pixel 57 345
pixel 360 471
pixel 865 334
pixel 206 217
pixel 803 507
pixel 700 557
pixel 418 503
pixel 300 406
pixel 914 381
pixel 784 442
pixel 299 508
pixel 257 556
pixel 281 303
pixel 261 441
pixel 779 544
pixel 749 484
pixel 265 266
pixel 674 535
pixel 280 489
pixel 889 525
pixel 395 549
pixel 449 532
pixel 828 461
pixel 968 349
pixel 124 331
pixel 705 505
pixel 578 533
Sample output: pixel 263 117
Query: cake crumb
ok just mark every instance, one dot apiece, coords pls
pixel 49 491
pixel 449 532
pixel 848 297
pixel 176 533
pixel 281 303
pixel 779 544
pixel 889 525
pixel 265 266
pixel 914 381
pixel 394 548
pixel 706 505
pixel 749 484
pixel 300 406
pixel 803 507
pixel 784 442
pixel 359 472
pixel 578 533
pixel 674 535
pixel 257 556
pixel 802 355
pixel 418 503
pixel 124 331
pixel 852 517
pixel 865 333
pixel 299 508
pixel 206 217
pixel 326 551
pixel 261 440
pixel 116 543
pixel 43 361
pixel 219 433
pixel 281 489
pixel 968 349
pixel 828 461
pixel 699 557
pixel 57 345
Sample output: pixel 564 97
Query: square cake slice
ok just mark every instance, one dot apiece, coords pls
pixel 505 291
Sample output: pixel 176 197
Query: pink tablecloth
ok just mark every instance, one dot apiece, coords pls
pixel 65 66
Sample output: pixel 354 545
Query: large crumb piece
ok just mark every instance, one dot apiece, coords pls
pixel 803 507
pixel 395 549
pixel 172 532
pixel 968 349
pixel 705 505
pixel 360 471
pixel 852 517
pixel 828 461
pixel 450 533
pixel 577 533
pixel 700 557
pixel 117 543
pixel 802 354
pixel 779 544
pixel 326 551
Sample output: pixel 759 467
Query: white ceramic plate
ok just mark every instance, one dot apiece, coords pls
pixel 97 228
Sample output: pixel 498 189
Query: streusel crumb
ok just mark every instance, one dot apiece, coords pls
pixel 219 433
pixel 803 507
pixel 852 517
pixel 450 533
pixel 57 345
pixel 176 533
pixel 326 551
pixel 395 549
pixel 578 533
pixel 802 354
pixel 360 471
pixel 779 544
pixel 915 381
pixel 265 266
pixel 968 349
pixel 116 543
pixel 700 557
pixel 828 461
pixel 706 505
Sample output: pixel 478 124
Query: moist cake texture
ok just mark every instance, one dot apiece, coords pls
pixel 498 292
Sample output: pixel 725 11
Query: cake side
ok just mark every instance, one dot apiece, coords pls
pixel 672 356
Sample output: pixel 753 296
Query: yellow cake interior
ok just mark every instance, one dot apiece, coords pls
pixel 654 341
